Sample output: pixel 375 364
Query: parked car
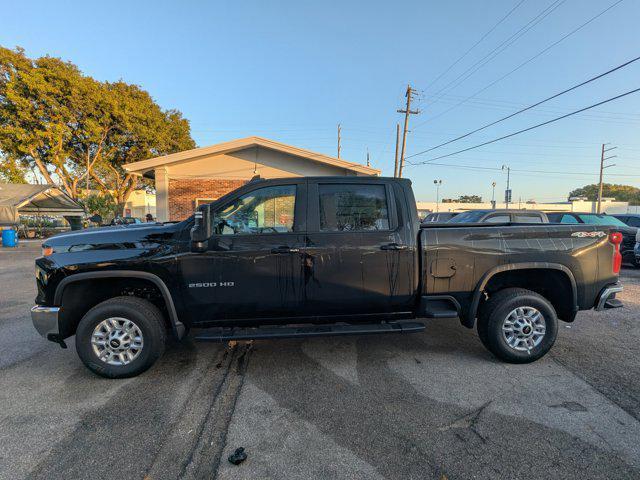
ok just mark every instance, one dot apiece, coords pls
pixel 304 257
pixel 439 217
pixel 500 216
pixel 126 221
pixel 631 219
pixel 628 233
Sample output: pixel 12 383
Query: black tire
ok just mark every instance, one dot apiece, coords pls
pixel 494 312
pixel 144 315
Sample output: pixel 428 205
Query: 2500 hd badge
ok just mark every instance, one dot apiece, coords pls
pixel 211 284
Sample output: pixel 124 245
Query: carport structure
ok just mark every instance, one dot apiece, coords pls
pixel 38 200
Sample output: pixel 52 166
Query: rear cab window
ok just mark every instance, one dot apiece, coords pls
pixel 497 219
pixel 527 218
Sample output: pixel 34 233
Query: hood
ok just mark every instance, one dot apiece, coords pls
pixel 117 236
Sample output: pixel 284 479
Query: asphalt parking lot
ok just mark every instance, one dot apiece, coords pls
pixel 430 405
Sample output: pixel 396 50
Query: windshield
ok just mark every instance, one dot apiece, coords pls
pixel 468 217
pixel 600 219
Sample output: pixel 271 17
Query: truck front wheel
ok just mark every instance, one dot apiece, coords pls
pixel 517 325
pixel 121 337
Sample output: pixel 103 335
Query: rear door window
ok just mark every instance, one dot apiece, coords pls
pixel 353 208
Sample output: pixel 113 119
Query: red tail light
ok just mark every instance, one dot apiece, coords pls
pixel 616 239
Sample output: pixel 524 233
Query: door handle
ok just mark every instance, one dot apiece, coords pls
pixel 279 250
pixel 393 246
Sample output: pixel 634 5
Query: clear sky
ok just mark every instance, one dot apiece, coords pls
pixel 292 70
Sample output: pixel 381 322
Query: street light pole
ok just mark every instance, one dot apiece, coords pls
pixel 437 183
pixel 493 195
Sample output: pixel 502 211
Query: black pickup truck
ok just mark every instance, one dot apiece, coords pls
pixel 303 257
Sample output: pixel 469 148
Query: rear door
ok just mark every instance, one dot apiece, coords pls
pixel 358 259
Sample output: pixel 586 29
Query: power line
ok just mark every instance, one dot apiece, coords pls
pixel 503 46
pixel 523 130
pixel 534 105
pixel 448 69
pixel 550 172
pixel 542 52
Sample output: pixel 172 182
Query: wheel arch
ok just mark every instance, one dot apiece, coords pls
pixel 567 311
pixel 177 326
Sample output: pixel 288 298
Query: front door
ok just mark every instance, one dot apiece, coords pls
pixel 357 259
pixel 253 265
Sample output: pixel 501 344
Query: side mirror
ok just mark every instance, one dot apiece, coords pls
pixel 201 230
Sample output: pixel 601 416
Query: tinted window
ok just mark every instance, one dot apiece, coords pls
pixel 568 219
pixel 349 208
pixel 265 210
pixel 468 217
pixel 600 219
pixel 524 218
pixel 634 221
pixel 498 219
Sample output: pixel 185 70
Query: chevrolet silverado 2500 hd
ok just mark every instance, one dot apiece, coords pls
pixel 301 257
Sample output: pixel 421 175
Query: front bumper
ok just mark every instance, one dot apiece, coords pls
pixel 45 319
pixel 607 298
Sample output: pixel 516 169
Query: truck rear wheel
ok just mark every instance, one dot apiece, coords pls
pixel 518 325
pixel 121 337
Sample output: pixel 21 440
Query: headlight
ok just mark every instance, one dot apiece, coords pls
pixel 46 250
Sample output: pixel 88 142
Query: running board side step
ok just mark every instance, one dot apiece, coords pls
pixel 261 333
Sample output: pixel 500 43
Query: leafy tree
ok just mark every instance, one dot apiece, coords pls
pixel 11 171
pixel 622 193
pixel 100 204
pixel 68 126
pixel 464 199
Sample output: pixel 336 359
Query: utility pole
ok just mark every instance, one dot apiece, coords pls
pixel 395 168
pixel 368 161
pixel 339 138
pixel 507 192
pixel 407 111
pixel 602 167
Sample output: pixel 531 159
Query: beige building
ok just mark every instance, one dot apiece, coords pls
pixel 185 179
pixel 139 204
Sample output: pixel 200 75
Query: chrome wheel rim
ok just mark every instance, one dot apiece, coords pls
pixel 524 328
pixel 117 341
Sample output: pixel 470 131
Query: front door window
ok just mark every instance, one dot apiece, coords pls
pixel 265 210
